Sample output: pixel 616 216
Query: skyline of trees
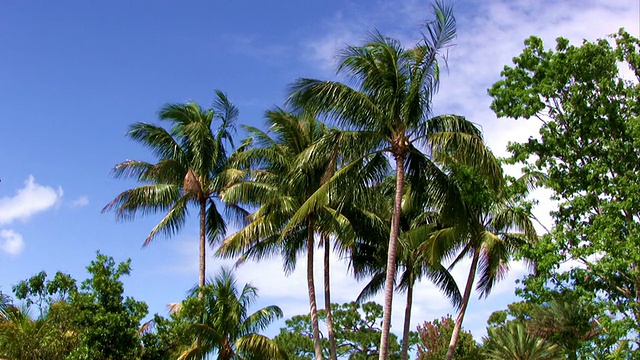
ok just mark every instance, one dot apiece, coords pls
pixel 307 184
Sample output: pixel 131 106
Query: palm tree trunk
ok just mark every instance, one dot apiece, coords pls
pixel 327 297
pixel 391 257
pixel 312 292
pixel 407 319
pixel 465 301
pixel 203 243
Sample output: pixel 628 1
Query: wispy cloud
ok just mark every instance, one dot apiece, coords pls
pixel 254 46
pixel 81 201
pixel 11 242
pixel 28 201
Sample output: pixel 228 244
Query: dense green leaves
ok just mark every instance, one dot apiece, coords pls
pixel 589 147
pixel 94 321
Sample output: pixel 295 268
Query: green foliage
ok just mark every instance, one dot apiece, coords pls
pixel 191 170
pixel 357 333
pixel 215 319
pixel 434 341
pixel 513 341
pixel 390 101
pixel 42 292
pixel 107 321
pixel 589 145
pixel 92 322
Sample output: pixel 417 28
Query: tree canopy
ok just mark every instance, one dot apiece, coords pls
pixel 586 98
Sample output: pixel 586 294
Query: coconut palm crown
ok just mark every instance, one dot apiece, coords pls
pixel 191 170
pixel 391 103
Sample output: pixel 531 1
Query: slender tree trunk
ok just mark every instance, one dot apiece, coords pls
pixel 327 297
pixel 391 257
pixel 203 243
pixel 463 308
pixel 407 319
pixel 312 292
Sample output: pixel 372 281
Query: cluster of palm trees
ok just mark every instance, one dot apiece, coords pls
pixel 390 187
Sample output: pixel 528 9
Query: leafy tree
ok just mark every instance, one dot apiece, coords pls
pixel 107 322
pixel 434 341
pixel 92 322
pixel 357 334
pixel 50 335
pixel 42 292
pixel 191 169
pixel 220 322
pixel 589 145
pixel 391 104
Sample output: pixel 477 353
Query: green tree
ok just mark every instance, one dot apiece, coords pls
pixel 589 145
pixel 49 335
pixel 220 322
pixel 107 322
pixel 391 104
pixel 434 341
pixel 191 168
pixel 357 334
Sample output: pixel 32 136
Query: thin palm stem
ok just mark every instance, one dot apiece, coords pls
pixel 312 292
pixel 463 308
pixel 327 296
pixel 203 241
pixel 391 257
pixel 407 317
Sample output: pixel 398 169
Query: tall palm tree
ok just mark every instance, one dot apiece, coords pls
pixel 191 169
pixel 391 103
pixel 278 185
pixel 418 224
pixel 489 220
pixel 221 322
pixel 289 167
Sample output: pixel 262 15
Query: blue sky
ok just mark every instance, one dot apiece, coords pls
pixel 75 74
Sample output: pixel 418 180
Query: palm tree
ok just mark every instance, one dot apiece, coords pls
pixel 191 169
pixel 512 341
pixel 391 104
pixel 489 220
pixel 288 184
pixel 278 186
pixel 220 322
pixel 418 224
pixel 567 324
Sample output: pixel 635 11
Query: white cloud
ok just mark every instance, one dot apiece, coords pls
pixel 11 242
pixel 28 201
pixel 81 201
